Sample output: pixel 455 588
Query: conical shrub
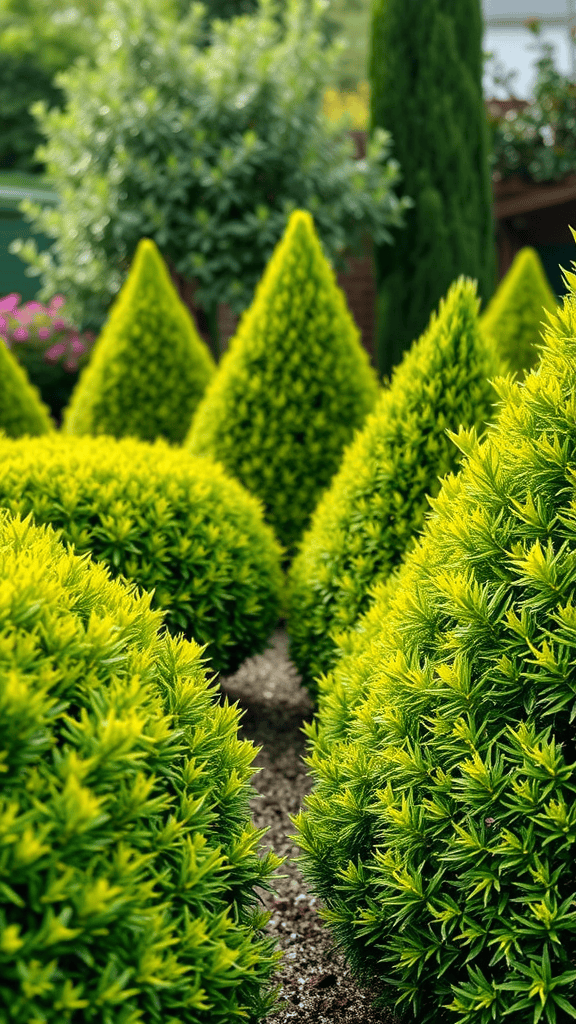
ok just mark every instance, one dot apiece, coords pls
pixel 22 411
pixel 515 315
pixel 177 526
pixel 292 388
pixel 377 500
pixel 442 827
pixel 130 866
pixel 149 368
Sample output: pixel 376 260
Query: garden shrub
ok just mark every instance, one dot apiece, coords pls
pixel 441 830
pixel 426 89
pixel 173 524
pixel 129 861
pixel 515 314
pixel 292 388
pixel 149 367
pixel 21 408
pixel 377 500
pixel 206 150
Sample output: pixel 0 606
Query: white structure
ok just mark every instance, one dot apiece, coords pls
pixel 508 39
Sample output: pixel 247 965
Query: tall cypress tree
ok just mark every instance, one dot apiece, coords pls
pixel 426 86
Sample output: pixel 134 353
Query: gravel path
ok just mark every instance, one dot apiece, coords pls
pixel 317 987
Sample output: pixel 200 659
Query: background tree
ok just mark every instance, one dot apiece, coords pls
pixel 206 151
pixel 426 89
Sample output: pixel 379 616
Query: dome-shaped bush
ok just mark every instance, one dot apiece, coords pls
pixel 173 524
pixel 441 833
pixel 129 863
pixel 22 411
pixel 377 500
pixel 514 316
pixel 292 388
pixel 149 368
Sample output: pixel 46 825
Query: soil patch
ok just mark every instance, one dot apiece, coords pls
pixel 316 984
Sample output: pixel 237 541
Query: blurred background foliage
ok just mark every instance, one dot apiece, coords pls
pixel 39 38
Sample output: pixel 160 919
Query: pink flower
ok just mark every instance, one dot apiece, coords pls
pixel 9 303
pixel 78 346
pixel 24 316
pixel 44 332
pixel 56 351
pixel 2 323
pixel 35 307
pixel 20 334
pixel 56 302
pixel 71 365
pixel 59 324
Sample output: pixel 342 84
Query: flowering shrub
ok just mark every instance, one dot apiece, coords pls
pixel 46 344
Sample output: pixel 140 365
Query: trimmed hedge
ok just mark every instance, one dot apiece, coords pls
pixel 514 318
pixel 377 500
pixel 175 525
pixel 292 388
pixel 441 830
pixel 149 368
pixel 22 411
pixel 129 863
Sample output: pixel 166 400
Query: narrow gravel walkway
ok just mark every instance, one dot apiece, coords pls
pixel 317 987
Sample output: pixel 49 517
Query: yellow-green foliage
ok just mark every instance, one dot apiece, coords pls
pixel 515 315
pixel 129 861
pixel 22 411
pixel 376 502
pixel 149 367
pixel 442 828
pixel 292 388
pixel 174 524
pixel 354 106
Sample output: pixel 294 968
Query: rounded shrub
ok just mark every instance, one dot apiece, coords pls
pixel 149 367
pixel 442 828
pixel 292 388
pixel 377 500
pixel 515 314
pixel 129 861
pixel 22 411
pixel 175 525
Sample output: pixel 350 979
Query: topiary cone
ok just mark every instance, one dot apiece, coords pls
pixel 441 830
pixel 293 387
pixel 149 367
pixel 514 317
pixel 376 502
pixel 22 411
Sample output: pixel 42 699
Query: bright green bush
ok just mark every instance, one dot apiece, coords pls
pixel 22 411
pixel 129 861
pixel 377 500
pixel 149 367
pixel 442 828
pixel 173 524
pixel 514 316
pixel 292 388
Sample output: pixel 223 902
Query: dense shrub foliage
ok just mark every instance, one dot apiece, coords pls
pixel 205 150
pixel 21 408
pixel 292 388
pixel 515 314
pixel 175 525
pixel 129 861
pixel 376 503
pixel 149 367
pixel 441 830
pixel 426 88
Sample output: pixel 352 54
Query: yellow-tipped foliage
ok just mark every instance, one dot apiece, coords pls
pixel 149 367
pixel 377 501
pixel 293 387
pixel 515 314
pixel 22 411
